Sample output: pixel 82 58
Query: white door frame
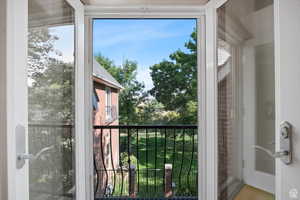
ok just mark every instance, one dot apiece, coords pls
pixel 16 89
pixel 211 138
pixel 152 12
pixel 83 178
pixel 16 98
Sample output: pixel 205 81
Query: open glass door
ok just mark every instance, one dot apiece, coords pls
pixel 246 99
pixel 51 100
pixel 49 145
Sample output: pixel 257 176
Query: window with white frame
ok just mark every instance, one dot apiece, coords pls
pixel 108 102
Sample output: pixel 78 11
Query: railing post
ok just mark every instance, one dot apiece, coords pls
pixel 168 180
pixel 132 181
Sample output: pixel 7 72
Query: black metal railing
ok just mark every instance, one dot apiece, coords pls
pixel 130 161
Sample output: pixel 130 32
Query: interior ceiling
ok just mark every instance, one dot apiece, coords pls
pixel 144 2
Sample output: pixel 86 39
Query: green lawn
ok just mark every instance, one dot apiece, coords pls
pixel 151 151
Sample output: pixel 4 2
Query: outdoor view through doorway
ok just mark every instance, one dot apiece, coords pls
pixel 145 107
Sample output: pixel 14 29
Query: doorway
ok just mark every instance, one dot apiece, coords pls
pixel 147 70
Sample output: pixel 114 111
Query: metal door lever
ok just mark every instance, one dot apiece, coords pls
pixel 31 157
pixel 285 153
pixel 26 157
pixel 279 154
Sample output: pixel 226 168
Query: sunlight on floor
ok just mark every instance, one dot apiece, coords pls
pixel 251 193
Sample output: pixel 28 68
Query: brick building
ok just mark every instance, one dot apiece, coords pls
pixel 105 104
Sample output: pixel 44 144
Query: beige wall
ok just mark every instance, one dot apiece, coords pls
pixel 3 168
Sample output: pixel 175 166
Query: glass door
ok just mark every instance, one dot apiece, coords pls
pixel 246 98
pixel 55 101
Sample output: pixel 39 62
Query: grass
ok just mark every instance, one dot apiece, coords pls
pixel 151 151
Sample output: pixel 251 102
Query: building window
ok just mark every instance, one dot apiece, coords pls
pixel 108 103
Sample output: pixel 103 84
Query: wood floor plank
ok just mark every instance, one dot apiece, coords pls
pixel 251 193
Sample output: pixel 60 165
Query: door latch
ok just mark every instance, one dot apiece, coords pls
pixel 285 153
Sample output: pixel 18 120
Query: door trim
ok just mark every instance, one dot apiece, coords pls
pixel 146 11
pixel 278 173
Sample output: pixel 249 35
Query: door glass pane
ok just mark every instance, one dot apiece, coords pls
pixel 51 74
pixel 246 97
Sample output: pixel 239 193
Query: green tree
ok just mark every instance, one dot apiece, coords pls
pixel 51 81
pixel 40 46
pixel 152 112
pixel 51 102
pixel 51 96
pixel 175 82
pixel 132 94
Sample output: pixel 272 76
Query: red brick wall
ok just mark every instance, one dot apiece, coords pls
pixel 104 159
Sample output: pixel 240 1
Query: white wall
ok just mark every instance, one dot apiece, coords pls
pixel 3 167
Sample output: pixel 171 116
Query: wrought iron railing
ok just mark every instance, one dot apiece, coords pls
pixel 145 161
pixel 130 161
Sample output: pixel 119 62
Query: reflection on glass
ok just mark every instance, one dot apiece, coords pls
pixel 51 100
pixel 246 99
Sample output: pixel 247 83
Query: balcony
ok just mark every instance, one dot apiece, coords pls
pixel 145 161
pixel 151 162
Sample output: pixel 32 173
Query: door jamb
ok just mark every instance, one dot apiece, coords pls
pixel 211 99
pixel 278 172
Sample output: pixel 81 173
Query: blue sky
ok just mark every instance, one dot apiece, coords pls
pixel 65 43
pixel 147 41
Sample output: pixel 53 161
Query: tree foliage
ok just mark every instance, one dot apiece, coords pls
pixel 51 102
pixel 175 82
pixel 153 112
pixel 51 95
pixel 40 46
